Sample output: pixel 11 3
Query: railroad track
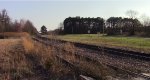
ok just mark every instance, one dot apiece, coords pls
pixel 114 51
pixel 75 68
pixel 92 59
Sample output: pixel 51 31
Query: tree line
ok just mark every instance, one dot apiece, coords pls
pixel 119 25
pixel 77 25
pixel 112 26
pixel 7 25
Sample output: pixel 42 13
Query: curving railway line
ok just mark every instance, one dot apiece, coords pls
pixel 115 58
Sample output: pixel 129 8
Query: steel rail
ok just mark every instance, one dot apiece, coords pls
pixel 92 59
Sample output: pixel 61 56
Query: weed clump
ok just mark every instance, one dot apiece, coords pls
pixel 28 44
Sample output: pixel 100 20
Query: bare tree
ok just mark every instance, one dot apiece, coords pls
pixel 132 14
pixel 22 22
pixel 145 20
pixel 29 27
pixel 61 26
pixel 4 18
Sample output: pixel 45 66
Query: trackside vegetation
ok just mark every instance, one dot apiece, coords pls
pixel 131 43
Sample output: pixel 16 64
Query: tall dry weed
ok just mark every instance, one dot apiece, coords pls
pixel 97 69
pixel 13 65
pixel 70 48
pixel 28 44
pixel 47 58
pixel 14 34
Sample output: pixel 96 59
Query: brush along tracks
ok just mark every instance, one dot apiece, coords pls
pixel 114 51
pixel 119 62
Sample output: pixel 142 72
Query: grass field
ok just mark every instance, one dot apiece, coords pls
pixel 24 59
pixel 130 43
pixel 14 34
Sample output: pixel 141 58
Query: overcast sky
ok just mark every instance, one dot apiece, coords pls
pixel 51 12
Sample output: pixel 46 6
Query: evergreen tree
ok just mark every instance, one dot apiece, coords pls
pixel 43 30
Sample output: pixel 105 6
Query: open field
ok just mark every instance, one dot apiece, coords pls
pixel 12 60
pixel 14 34
pixel 24 59
pixel 130 43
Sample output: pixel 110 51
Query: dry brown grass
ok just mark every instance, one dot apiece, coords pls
pixel 46 57
pixel 14 34
pixel 28 44
pixel 70 48
pixel 13 64
pixel 49 61
pixel 97 69
pixel 26 59
pixel 21 58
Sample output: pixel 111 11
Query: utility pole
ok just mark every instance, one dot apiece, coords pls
pixel 103 28
pixel 72 29
pixel 2 20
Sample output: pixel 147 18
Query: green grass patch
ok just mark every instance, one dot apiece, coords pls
pixel 130 43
